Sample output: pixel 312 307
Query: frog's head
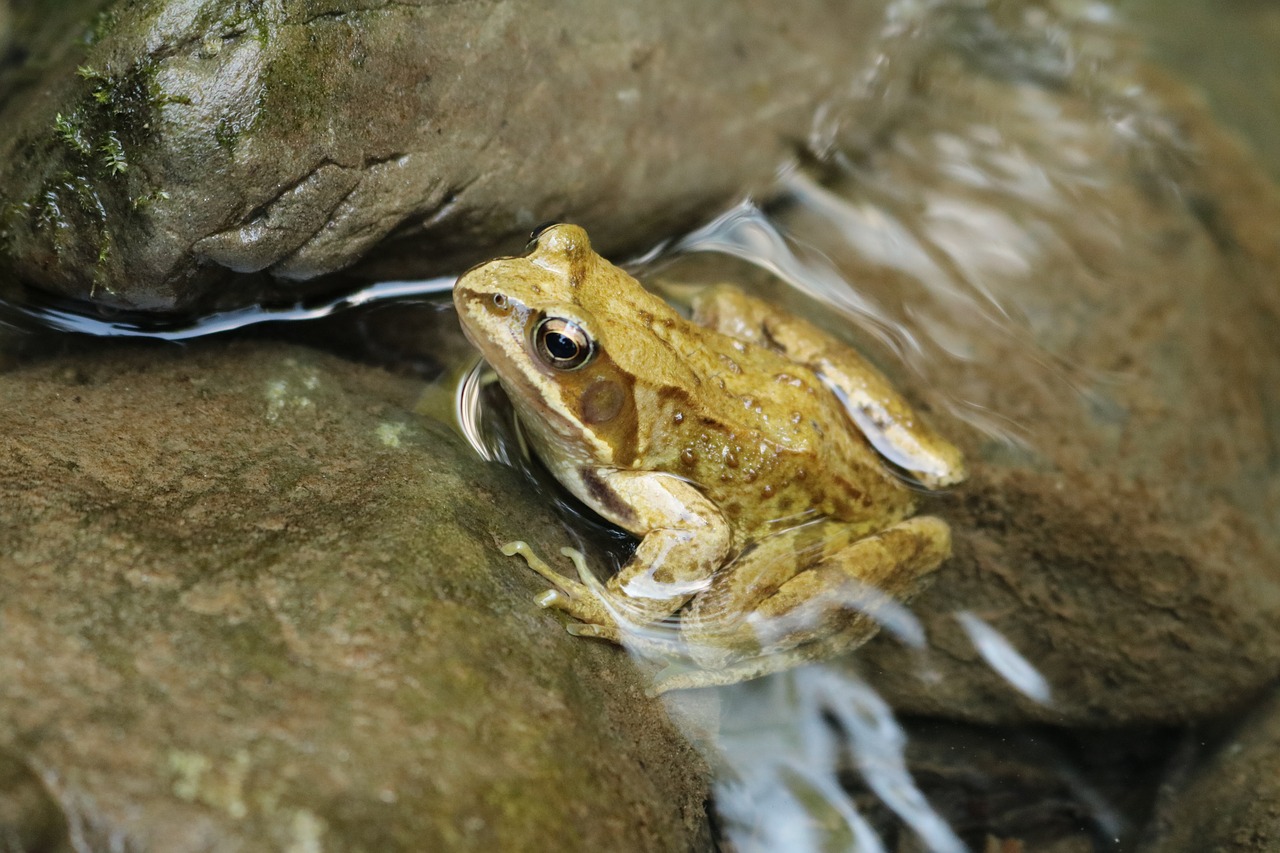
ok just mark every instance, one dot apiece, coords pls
pixel 554 325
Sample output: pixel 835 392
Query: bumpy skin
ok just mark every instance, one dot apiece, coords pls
pixel 741 447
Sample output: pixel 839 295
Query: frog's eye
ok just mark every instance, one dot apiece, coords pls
pixel 562 344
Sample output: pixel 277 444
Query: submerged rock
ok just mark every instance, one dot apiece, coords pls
pixel 1091 276
pixel 159 153
pixel 249 600
pixel 1231 802
pixel 1026 789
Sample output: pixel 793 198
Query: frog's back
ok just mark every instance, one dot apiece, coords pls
pixel 760 434
pixel 765 439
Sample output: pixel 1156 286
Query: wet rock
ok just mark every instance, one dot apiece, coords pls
pixel 1191 38
pixel 160 155
pixel 1097 316
pixel 1025 789
pixel 249 600
pixel 1231 803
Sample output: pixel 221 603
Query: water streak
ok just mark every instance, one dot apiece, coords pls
pixel 1002 657
pixel 780 791
pixel 75 320
pixel 747 233
pixel 469 414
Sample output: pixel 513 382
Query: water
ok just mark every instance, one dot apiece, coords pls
pixel 779 787
pixel 1228 52
pixel 62 316
pixel 920 255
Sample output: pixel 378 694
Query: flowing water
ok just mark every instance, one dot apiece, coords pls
pixel 920 255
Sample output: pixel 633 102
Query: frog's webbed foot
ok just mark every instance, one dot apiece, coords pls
pixel 585 599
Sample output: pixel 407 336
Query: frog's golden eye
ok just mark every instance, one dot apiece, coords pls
pixel 562 344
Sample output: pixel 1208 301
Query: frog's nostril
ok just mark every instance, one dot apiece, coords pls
pixel 501 302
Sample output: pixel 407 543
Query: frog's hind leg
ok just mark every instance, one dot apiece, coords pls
pixel 794 612
pixel 882 414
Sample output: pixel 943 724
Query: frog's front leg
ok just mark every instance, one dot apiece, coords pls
pixel 881 413
pixel 684 540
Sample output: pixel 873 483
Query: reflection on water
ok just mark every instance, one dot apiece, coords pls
pixel 470 411
pixel 62 316
pixel 1004 658
pixel 744 232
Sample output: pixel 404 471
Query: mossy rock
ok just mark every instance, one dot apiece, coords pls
pixel 249 600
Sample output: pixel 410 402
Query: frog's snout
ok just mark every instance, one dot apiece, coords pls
pixel 487 312
pixel 470 301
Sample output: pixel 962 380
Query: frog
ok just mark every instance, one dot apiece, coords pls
pixel 770 472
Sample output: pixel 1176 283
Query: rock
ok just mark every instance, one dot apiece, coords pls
pixel 1231 802
pixel 1093 304
pixel 1025 789
pixel 250 601
pixel 160 155
pixel 1191 38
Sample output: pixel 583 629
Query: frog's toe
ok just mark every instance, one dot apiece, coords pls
pixel 534 561
pixel 681 678
pixel 602 632
pixel 593 615
pixel 551 599
pixel 579 560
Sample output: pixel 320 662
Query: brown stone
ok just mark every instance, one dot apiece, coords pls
pixel 1230 803
pixel 1103 334
pixel 168 156
pixel 249 600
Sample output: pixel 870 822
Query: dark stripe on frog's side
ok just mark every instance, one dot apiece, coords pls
pixel 606 500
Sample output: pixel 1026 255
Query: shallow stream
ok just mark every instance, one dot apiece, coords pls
pixel 1010 252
